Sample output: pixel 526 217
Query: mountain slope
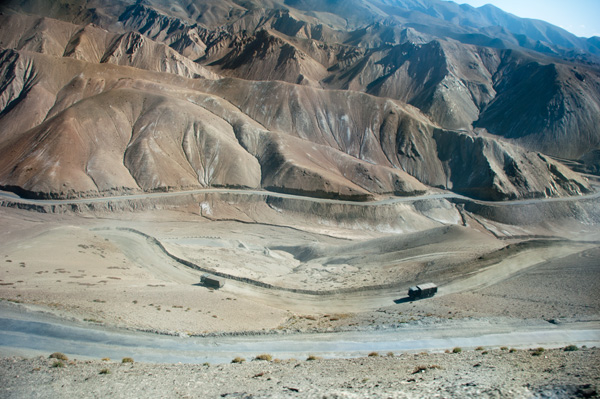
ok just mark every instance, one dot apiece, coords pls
pixel 449 80
pixel 144 132
pixel 289 96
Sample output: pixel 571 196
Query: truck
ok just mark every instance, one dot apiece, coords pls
pixel 420 291
pixel 211 281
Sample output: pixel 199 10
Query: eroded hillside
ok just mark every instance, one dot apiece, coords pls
pixel 124 97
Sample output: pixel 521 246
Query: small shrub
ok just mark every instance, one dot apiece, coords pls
pixel 264 356
pixel 58 364
pixel 457 350
pixel 479 348
pixel 206 364
pixel 373 354
pixel 105 371
pixel 127 360
pixel 106 359
pixel 484 352
pixel 571 348
pixel 512 350
pixel 503 348
pixel 390 354
pixel 238 360
pixel 419 369
pixel 59 356
pixel 312 357
pixel 537 351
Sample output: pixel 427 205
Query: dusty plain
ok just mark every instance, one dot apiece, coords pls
pixel 106 268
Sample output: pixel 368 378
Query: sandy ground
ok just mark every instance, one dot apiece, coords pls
pixel 76 272
pixel 84 267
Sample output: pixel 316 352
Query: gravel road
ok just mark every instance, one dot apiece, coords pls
pixel 33 333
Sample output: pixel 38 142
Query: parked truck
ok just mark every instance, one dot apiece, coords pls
pixel 426 290
pixel 211 281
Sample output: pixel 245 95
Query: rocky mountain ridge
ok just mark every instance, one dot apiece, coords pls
pixel 284 96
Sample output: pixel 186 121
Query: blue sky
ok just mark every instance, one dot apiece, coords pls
pixel 581 17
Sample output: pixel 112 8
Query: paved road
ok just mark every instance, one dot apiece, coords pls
pixel 392 200
pixel 32 333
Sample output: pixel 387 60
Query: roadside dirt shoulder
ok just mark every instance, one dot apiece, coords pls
pixel 483 373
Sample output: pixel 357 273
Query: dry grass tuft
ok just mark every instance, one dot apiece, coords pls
pixel 537 351
pixel 59 356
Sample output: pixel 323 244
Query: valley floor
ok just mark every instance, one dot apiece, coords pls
pixel 103 270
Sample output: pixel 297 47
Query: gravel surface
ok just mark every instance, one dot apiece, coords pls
pixel 483 373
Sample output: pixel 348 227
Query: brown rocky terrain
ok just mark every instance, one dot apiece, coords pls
pixel 281 139
pixel 341 126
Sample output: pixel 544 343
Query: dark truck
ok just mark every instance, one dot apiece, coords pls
pixel 211 281
pixel 422 291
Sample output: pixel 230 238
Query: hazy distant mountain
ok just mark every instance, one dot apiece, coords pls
pixel 333 98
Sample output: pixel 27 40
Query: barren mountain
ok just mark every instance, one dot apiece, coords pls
pixel 331 99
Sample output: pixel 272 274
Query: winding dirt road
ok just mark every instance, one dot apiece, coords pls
pixel 392 200
pixel 157 259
